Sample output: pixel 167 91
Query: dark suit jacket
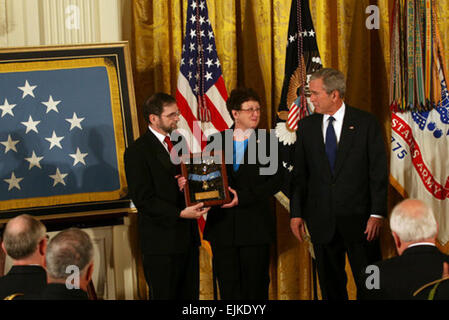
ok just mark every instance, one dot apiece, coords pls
pixel 344 200
pixel 252 221
pixel 155 193
pixel 401 276
pixel 58 291
pixel 28 280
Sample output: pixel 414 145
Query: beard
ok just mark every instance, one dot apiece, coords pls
pixel 168 127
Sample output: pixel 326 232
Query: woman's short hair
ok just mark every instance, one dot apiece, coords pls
pixel 239 96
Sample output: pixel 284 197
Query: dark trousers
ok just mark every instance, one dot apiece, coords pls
pixel 242 272
pixel 173 277
pixel 331 260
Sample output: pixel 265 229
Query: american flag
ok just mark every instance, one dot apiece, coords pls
pixel 57 137
pixel 201 94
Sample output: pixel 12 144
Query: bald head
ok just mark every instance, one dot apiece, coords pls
pixel 413 221
pixel 22 236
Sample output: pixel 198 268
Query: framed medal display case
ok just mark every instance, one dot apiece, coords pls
pixel 207 180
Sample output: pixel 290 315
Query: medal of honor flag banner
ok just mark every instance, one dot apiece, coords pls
pixel 61 133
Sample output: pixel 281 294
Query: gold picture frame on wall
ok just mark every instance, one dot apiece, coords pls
pixel 67 115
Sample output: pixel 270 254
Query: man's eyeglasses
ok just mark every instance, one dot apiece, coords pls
pixel 172 115
pixel 251 110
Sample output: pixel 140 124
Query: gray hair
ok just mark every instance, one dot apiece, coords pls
pixel 413 220
pixel 71 247
pixel 332 80
pixel 22 236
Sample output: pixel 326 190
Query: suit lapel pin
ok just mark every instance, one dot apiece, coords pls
pixel 351 128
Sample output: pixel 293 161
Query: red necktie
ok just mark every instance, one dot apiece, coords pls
pixel 168 142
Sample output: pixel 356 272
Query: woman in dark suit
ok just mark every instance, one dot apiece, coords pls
pixel 242 231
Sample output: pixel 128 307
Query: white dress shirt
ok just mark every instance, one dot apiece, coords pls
pixel 338 123
pixel 422 244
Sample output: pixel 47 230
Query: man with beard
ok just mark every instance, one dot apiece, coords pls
pixel 168 230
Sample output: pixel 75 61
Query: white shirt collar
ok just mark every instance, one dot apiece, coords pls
pixel 159 136
pixel 338 116
pixel 338 123
pixel 421 244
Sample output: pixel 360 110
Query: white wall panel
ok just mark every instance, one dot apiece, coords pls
pixel 51 22
pixel 3 24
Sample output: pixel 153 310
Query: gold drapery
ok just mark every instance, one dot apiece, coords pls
pixel 251 37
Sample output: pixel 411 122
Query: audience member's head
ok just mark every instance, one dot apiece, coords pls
pixel 412 221
pixel 25 240
pixel 68 250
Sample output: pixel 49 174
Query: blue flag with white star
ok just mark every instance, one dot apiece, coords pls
pixel 59 134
